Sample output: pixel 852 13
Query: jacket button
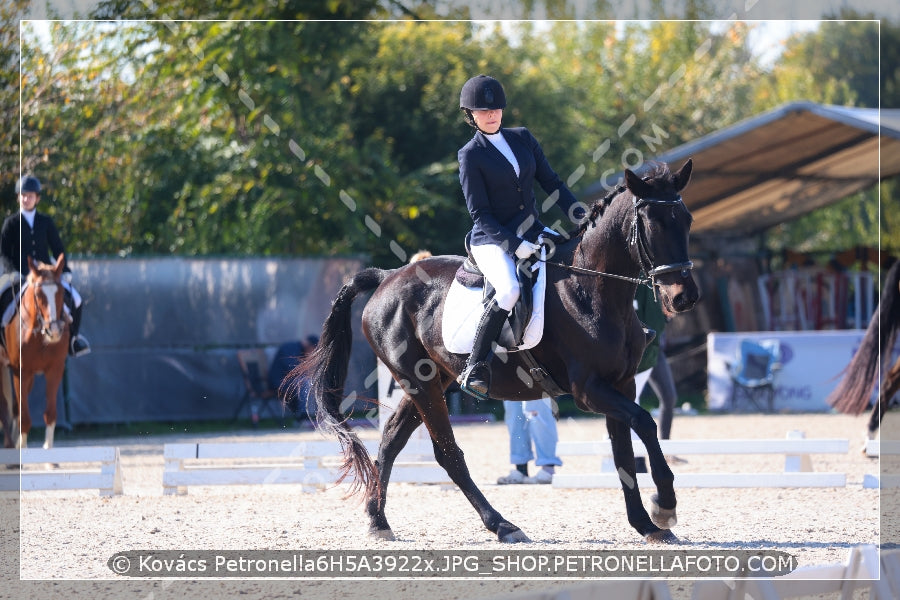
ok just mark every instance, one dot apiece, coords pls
pixel 521 207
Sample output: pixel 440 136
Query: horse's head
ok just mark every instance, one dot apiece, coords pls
pixel 42 299
pixel 662 224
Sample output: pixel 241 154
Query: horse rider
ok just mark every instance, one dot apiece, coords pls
pixel 31 233
pixel 497 171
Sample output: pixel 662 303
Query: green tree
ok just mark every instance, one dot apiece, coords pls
pixel 10 13
pixel 838 64
pixel 322 137
pixel 835 64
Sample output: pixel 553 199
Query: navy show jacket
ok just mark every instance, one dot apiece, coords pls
pixel 41 242
pixel 502 205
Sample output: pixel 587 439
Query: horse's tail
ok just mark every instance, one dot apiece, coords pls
pixel 324 371
pixel 853 392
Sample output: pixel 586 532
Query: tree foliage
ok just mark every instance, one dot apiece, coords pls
pixel 838 64
pixel 321 133
pixel 10 13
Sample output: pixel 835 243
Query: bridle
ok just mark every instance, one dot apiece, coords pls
pixel 46 328
pixel 638 237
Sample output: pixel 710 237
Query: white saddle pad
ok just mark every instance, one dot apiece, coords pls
pixel 463 310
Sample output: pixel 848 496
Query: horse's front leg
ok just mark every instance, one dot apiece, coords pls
pixel 22 391
pixel 53 380
pixel 622 415
pixel 623 456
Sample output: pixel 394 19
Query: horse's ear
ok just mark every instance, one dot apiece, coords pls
pixel 683 176
pixel 636 185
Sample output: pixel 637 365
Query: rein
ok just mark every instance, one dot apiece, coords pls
pixel 638 238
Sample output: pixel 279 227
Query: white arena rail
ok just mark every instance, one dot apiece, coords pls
pixel 880 448
pixel 83 467
pixel 797 467
pixel 313 465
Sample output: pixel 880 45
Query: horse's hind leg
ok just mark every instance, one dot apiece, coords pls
pixel 397 431
pixel 448 454
pixel 23 390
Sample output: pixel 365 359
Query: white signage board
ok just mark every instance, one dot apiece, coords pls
pixel 812 364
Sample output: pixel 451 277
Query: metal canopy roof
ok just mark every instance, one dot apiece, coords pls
pixel 783 164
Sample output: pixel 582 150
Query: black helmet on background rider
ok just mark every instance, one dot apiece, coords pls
pixel 481 92
pixel 28 183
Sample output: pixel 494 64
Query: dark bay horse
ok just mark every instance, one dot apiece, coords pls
pixel 852 394
pixel 591 347
pixel 37 341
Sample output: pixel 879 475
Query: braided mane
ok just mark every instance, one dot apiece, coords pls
pixel 654 171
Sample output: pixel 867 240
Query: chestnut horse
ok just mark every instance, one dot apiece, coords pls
pixel 37 341
pixel 591 347
pixel 853 393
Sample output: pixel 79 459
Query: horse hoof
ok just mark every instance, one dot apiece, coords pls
pixel 510 534
pixel 515 537
pixel 382 534
pixel 664 518
pixel 663 536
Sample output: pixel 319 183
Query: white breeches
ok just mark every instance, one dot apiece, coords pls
pixel 76 297
pixel 500 270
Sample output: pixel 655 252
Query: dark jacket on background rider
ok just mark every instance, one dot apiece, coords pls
pixel 41 242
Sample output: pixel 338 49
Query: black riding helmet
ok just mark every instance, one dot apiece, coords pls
pixel 28 183
pixel 482 93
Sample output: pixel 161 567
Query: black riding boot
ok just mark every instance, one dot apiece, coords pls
pixel 78 346
pixel 476 378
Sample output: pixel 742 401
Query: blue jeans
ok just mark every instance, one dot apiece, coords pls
pixel 527 422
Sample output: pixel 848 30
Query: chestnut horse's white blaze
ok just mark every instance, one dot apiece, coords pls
pixel 52 328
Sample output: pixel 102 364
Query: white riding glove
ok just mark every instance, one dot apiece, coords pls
pixel 526 249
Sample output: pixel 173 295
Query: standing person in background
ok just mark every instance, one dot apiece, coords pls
pixel 31 233
pixel 531 423
pixel 663 385
pixel 286 358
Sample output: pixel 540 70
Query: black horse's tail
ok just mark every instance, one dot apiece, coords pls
pixel 324 372
pixel 853 392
